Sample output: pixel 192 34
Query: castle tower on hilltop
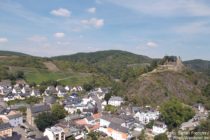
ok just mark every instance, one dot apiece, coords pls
pixel 179 64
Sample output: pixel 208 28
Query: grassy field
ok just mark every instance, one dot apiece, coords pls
pixel 40 75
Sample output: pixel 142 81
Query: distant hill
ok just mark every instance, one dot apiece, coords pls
pixel 10 53
pixel 79 68
pixel 199 65
pixel 100 56
pixel 111 62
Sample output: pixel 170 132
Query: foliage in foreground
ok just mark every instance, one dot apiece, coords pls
pixel 45 120
pixel 174 113
pixel 110 108
pixel 161 137
pixel 48 119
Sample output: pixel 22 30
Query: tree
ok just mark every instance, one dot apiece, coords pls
pixel 45 120
pixel 174 113
pixel 161 137
pixel 107 97
pixel 204 126
pixel 150 124
pixel 93 135
pixel 78 111
pixel 32 100
pixel 71 138
pixel 58 111
pixel 19 75
pixel 88 86
pixel 110 108
pixel 142 136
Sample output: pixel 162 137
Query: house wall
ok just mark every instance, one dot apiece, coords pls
pixel 7 132
pixel 29 117
pixel 115 103
pixel 16 121
pixel 104 123
pixel 55 135
pixel 158 130
pixel 116 135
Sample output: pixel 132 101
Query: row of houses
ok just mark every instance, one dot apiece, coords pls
pixel 9 119
pixel 61 91
pixel 122 127
pixel 22 91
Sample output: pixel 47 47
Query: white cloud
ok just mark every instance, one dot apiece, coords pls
pixel 151 44
pixel 166 7
pixel 92 10
pixel 37 38
pixel 97 23
pixel 59 35
pixel 3 40
pixel 61 12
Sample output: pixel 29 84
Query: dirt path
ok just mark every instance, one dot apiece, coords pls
pixel 51 66
pixel 63 78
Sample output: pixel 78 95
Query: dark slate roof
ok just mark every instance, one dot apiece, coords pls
pixel 4 111
pixel 112 119
pixel 117 120
pixel 90 118
pixel 60 88
pixel 10 95
pixel 72 100
pixel 5 83
pixel 18 115
pixel 39 108
pixel 49 99
pixel 74 94
pixel 5 126
pixel 118 127
pixel 42 138
pixel 127 118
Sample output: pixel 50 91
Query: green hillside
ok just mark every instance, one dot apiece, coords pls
pixel 10 53
pixel 112 63
pixel 74 69
pixel 199 65
pixel 134 74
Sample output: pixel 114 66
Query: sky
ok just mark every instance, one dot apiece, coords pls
pixel 148 27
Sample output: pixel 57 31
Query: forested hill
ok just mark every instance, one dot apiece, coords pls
pixel 199 65
pixel 116 64
pixel 113 62
pixel 103 56
pixel 10 53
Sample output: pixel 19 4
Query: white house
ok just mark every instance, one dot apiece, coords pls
pixel 70 109
pixel 159 128
pixel 145 116
pixel 9 97
pixel 35 92
pixel 55 133
pixel 75 89
pixel 68 88
pixel 26 90
pixel 103 104
pixel 15 120
pixel 16 90
pixel 115 101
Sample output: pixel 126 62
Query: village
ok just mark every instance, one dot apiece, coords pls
pixel 87 112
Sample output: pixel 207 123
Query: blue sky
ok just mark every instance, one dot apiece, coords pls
pixel 149 27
